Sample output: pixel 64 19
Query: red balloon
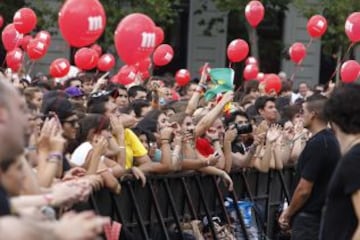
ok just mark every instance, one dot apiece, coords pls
pixel 1 21
pixel 260 77
pixel 254 13
pixel 237 50
pixel 44 36
pixel 251 60
pixel 316 26
pixel 297 52
pixel 352 27
pixel 59 67
pixel 126 75
pixel 159 35
pixel 14 59
pixel 145 75
pixel 86 58
pixel 106 62
pixel 135 38
pixel 11 38
pixel 163 55
pixel 25 20
pixel 82 22
pixel 272 83
pixel 350 71
pixel 144 64
pixel 36 49
pixel 25 42
pixel 97 48
pixel 250 72
pixel 182 77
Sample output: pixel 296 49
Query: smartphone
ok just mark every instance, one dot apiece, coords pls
pixel 217 154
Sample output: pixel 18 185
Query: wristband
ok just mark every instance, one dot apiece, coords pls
pixel 55 157
pixel 203 86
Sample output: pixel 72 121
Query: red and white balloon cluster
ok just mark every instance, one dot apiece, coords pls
pixel 16 42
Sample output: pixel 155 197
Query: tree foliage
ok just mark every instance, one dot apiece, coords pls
pixel 336 13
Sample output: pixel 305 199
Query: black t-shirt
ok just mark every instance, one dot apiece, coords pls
pixel 339 220
pixel 4 203
pixel 316 164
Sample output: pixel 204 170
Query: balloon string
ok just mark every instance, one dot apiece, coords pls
pixel 298 66
pixel 31 67
pixel 341 61
pixel 309 43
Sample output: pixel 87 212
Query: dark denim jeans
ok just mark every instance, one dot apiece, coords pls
pixel 305 227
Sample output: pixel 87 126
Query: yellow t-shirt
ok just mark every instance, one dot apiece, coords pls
pixel 134 148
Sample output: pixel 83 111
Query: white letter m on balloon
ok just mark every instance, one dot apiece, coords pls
pixel 95 23
pixel 148 40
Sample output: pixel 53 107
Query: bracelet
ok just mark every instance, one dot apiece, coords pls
pixel 55 157
pixel 164 139
pixel 49 198
pixel 203 86
pixel 122 147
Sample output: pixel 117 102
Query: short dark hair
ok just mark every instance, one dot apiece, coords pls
pixel 232 116
pixel 98 108
pixel 260 102
pixel 343 109
pixel 316 103
pixel 137 106
pixel 68 82
pixel 132 92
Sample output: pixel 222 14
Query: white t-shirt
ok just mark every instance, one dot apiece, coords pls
pixel 78 157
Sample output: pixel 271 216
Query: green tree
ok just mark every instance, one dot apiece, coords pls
pixel 272 7
pixel 336 12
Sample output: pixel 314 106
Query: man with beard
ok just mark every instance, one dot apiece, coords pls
pixel 315 167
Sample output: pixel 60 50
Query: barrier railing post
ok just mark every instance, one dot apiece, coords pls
pixel 137 211
pixel 207 212
pixel 173 208
pixel 117 209
pixel 221 199
pixel 158 210
pixel 285 189
pixel 239 215
pixel 188 199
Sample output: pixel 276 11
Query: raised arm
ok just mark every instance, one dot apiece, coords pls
pixel 210 118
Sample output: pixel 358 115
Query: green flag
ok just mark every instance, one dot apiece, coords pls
pixel 223 81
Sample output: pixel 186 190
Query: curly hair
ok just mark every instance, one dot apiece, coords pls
pixel 343 108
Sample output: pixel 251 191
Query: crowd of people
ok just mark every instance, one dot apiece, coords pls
pixel 62 141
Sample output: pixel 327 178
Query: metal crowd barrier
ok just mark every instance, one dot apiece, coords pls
pixel 172 199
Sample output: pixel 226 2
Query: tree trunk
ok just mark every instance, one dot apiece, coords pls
pixel 253 39
pixel 338 64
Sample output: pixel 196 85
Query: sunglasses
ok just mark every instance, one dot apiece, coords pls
pixel 73 123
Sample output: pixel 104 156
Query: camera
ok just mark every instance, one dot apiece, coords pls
pixel 243 128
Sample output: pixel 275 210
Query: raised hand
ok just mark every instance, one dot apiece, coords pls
pixel 100 145
pixel 116 125
pixel 273 133
pixel 230 134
